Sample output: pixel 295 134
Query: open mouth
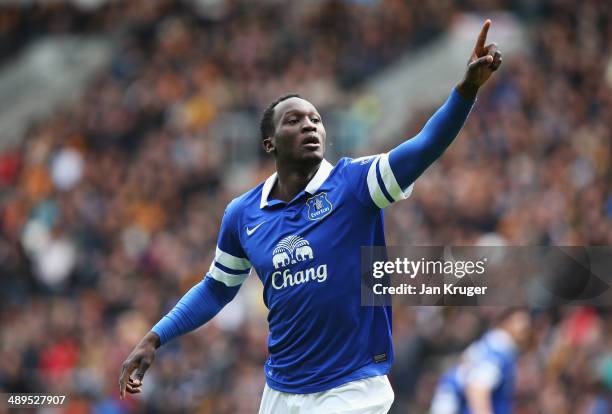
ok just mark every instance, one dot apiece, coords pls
pixel 311 142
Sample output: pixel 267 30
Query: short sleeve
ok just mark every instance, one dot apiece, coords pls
pixel 445 401
pixel 373 181
pixel 485 373
pixel 230 265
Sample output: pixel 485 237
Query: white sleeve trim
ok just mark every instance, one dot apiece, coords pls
pixel 445 402
pixel 486 374
pixel 391 184
pixel 375 191
pixel 231 262
pixel 227 279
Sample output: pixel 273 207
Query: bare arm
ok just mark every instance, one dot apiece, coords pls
pixel 479 399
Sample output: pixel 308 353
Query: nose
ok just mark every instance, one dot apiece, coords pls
pixel 308 126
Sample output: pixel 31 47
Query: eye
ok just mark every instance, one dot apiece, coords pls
pixel 316 120
pixel 292 121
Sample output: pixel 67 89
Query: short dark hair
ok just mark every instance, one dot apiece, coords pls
pixel 506 313
pixel 266 124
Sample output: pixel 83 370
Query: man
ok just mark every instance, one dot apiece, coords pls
pixel 483 381
pixel 302 230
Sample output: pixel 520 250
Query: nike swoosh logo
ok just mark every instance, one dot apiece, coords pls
pixel 251 231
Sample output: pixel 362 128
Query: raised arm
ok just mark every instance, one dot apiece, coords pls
pixel 411 158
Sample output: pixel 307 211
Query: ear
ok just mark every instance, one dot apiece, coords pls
pixel 268 145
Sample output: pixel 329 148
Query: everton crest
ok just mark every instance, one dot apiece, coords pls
pixel 319 206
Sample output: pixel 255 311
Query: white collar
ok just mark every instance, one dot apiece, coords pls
pixel 315 182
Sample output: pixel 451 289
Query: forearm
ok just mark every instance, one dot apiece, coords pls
pixel 200 304
pixel 479 400
pixel 411 158
pixel 467 90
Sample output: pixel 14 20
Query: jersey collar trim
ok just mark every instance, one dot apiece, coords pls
pixel 315 183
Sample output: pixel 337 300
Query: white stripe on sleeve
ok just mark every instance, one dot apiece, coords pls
pixel 375 192
pixel 227 279
pixel 391 184
pixel 231 262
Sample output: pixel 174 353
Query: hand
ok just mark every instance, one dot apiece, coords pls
pixel 483 62
pixel 139 360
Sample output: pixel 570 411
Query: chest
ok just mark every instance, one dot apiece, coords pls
pixel 298 234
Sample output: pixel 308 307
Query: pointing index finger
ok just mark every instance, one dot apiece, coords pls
pixel 482 37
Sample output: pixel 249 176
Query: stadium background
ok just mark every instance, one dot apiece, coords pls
pixel 111 202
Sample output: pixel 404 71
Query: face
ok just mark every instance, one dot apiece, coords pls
pixel 299 134
pixel 519 326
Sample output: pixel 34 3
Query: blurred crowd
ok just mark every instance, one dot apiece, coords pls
pixel 111 207
pixel 532 166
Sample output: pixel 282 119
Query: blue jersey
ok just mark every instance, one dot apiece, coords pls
pixel 307 255
pixel 490 363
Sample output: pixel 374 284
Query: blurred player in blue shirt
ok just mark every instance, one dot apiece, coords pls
pixel 302 230
pixel 483 380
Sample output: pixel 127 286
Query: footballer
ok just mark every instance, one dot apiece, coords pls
pixel 302 230
pixel 482 382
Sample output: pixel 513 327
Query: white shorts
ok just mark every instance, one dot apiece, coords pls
pixel 372 395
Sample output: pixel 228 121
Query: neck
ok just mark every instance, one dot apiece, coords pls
pixel 292 178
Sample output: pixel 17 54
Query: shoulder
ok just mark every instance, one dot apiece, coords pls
pixel 352 162
pixel 353 165
pixel 242 203
pixel 481 353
